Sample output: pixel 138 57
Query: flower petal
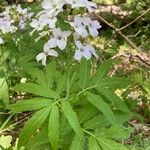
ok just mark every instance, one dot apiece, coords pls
pixel 46 47
pixel 52 42
pixel 62 44
pixel 40 56
pixel 66 33
pixel 87 54
pixel 82 32
pixel 79 44
pixel 44 61
pixel 53 53
pixel 56 32
pixel 96 24
pixel 46 4
pixel 93 32
pixel 78 55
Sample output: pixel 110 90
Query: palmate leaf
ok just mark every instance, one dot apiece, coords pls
pixel 96 122
pixel 39 139
pixel 77 143
pixel 32 125
pixel 93 145
pixel 37 90
pixel 30 104
pixel 84 74
pixel 107 144
pixel 39 76
pixel 50 73
pixel 53 127
pixel 116 132
pixel 100 104
pixel 72 117
pixel 102 71
pixel 61 84
pixel 113 98
pixel 115 82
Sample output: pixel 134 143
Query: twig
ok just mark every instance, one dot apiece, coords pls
pixel 119 32
pixel 145 12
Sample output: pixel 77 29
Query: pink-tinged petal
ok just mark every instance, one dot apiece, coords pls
pixel 61 44
pixel 40 56
pixel 78 55
pixel 52 42
pixel 93 32
pixel 87 54
pixel 44 61
pixel 53 53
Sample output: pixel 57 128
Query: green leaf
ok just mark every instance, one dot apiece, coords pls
pixel 4 94
pixel 61 85
pixel 32 125
pixel 100 104
pixel 84 73
pixel 39 139
pixel 37 90
pixel 50 73
pixel 53 127
pixel 71 117
pixel 96 121
pixel 30 104
pixel 77 143
pixel 115 82
pixel 39 75
pixel 107 144
pixel 93 145
pixel 116 132
pixel 102 71
pixel 113 98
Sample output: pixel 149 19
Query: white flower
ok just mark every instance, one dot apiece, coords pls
pixel 52 5
pixel 59 38
pixel 93 26
pixel 36 24
pixel 84 50
pixel 20 10
pixel 75 3
pixel 46 52
pixel 79 27
pixel 89 5
pixel 1 41
pixel 48 19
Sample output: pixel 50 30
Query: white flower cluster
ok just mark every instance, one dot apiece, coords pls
pixel 10 16
pixel 45 22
